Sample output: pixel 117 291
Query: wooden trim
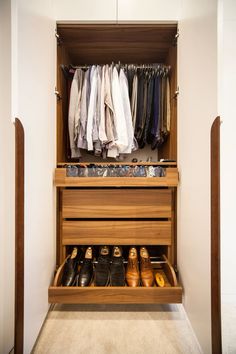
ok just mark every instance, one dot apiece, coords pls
pixel 19 238
pixel 114 295
pixel 215 239
pixel 58 276
pixel 169 271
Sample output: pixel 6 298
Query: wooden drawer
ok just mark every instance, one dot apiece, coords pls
pixel 169 180
pixel 171 293
pixel 116 203
pixel 115 232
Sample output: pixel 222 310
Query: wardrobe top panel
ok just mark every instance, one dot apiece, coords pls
pixel 104 43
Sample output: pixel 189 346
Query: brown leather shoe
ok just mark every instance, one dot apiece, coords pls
pixel 147 275
pixel 132 270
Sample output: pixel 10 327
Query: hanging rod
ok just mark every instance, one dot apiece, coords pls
pixel 135 66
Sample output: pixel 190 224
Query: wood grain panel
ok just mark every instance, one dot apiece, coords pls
pixel 132 203
pixel 170 180
pixel 215 239
pixel 116 32
pixel 116 232
pixel 169 149
pixel 114 295
pixel 19 237
pixel 169 271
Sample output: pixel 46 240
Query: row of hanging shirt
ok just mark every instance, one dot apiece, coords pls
pixel 116 109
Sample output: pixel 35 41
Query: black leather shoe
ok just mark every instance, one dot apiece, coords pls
pixel 70 268
pixel 117 267
pixel 86 271
pixel 102 270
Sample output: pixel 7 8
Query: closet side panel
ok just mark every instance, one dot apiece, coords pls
pixel 62 106
pixel 169 149
pixel 197 108
pixel 7 182
pixel 36 83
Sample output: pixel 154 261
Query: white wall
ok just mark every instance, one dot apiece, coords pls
pixel 148 10
pixel 89 10
pixel 36 71
pixel 197 108
pixel 228 150
pixel 7 183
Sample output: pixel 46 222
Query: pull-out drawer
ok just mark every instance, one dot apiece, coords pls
pixel 170 293
pixel 116 203
pixel 170 179
pixel 115 232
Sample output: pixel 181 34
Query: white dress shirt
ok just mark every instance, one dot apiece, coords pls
pixel 74 111
pixel 92 107
pixel 124 89
pixel 119 115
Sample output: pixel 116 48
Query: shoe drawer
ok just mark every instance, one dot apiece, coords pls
pixel 115 232
pixel 116 203
pixel 171 293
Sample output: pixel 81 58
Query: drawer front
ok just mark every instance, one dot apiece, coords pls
pixel 114 295
pixel 117 203
pixel 115 232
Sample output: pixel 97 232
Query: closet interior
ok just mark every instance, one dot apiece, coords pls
pixel 97 203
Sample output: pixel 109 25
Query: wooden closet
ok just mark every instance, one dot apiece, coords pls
pixel 117 210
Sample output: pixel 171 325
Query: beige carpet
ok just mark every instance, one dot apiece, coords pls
pixel 116 329
pixel 228 316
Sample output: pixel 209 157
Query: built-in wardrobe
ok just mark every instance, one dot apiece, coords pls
pixel 126 211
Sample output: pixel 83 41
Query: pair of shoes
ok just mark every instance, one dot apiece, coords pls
pixel 70 268
pixel 110 269
pixel 71 276
pixel 146 270
pixel 84 278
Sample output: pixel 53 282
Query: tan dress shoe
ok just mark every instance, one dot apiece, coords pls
pixel 132 270
pixel 147 275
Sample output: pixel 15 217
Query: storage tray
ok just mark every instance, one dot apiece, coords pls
pixel 170 179
pixel 171 293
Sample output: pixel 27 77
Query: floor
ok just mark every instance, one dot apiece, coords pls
pixel 228 315
pixel 116 329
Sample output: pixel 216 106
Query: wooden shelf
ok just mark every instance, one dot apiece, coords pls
pixel 164 164
pixel 171 293
pixel 170 180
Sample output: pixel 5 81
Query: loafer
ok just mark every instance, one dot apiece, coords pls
pixel 86 272
pixel 147 275
pixel 132 270
pixel 117 267
pixel 70 268
pixel 102 270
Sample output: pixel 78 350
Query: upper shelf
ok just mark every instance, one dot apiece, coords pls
pixel 91 43
pixel 169 180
